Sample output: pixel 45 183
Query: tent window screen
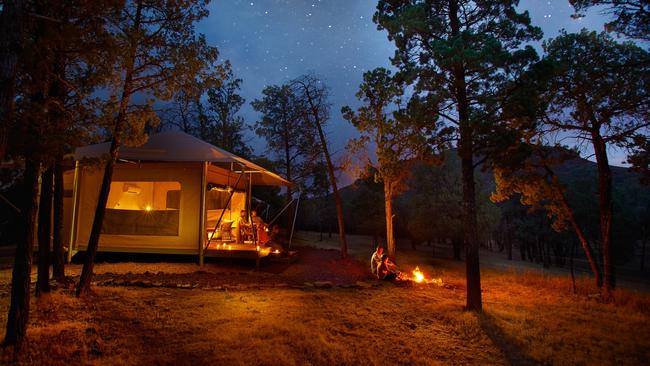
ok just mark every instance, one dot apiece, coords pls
pixel 143 208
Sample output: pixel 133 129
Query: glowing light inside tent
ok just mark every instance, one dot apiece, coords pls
pixel 147 208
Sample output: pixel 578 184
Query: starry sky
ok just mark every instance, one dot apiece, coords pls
pixel 272 41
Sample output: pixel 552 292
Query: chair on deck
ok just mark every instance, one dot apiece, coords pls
pixel 224 232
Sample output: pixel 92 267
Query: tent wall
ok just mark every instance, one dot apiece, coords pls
pixel 138 179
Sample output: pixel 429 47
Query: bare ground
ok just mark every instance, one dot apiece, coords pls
pixel 239 316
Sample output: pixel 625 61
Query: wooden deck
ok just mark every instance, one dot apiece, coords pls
pixel 243 251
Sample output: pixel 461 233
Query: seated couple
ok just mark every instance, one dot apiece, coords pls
pixel 382 267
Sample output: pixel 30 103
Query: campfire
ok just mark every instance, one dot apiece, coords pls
pixel 419 277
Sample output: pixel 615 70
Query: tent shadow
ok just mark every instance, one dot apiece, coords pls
pixel 513 353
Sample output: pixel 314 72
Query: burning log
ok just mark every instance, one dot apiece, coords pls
pixel 419 277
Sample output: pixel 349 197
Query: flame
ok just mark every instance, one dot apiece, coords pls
pixel 276 251
pixel 148 208
pixel 417 275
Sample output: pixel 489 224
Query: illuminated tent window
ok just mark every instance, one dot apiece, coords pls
pixel 143 208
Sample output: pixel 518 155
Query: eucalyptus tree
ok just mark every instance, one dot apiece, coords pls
pixel 313 95
pixel 463 54
pixel 156 48
pixel 400 135
pixel 529 172
pixel 599 93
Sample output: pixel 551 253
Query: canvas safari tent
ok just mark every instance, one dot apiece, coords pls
pixel 165 197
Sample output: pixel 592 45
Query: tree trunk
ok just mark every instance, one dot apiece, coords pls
pixel 320 226
pixel 466 154
pixel 573 276
pixel 335 189
pixel 11 30
pixel 120 122
pixel 58 259
pixel 644 241
pixel 59 118
pixel 456 247
pixel 546 246
pixel 288 171
pixel 44 232
pixel 287 162
pixel 18 317
pixel 605 205
pixel 388 202
pixel 470 237
pixel 93 241
pixel 589 252
pixel 315 114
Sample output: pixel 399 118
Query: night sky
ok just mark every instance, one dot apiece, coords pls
pixel 272 41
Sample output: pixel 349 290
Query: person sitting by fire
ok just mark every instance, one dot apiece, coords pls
pixel 386 269
pixel 375 260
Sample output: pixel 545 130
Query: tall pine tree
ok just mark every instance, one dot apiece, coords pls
pixel 464 53
pixel 156 49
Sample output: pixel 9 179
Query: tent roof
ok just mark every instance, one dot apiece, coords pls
pixel 178 146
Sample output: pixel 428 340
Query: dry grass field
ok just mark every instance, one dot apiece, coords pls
pixel 529 319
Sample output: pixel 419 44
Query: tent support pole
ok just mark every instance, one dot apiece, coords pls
pixel 75 211
pixel 295 215
pixel 249 213
pixel 202 233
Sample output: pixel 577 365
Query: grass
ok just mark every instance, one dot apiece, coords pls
pixel 528 318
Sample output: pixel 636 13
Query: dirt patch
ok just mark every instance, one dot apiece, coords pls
pixel 312 265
